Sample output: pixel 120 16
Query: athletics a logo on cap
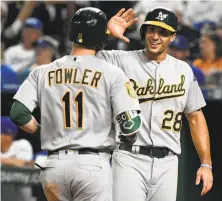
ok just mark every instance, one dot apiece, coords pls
pixel 161 16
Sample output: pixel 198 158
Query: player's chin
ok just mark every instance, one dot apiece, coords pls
pixel 154 51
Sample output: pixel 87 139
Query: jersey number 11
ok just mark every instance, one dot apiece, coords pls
pixel 67 101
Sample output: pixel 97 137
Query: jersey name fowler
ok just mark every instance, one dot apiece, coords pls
pixel 161 91
pixel 71 76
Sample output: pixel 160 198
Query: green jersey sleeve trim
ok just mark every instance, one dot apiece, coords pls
pixel 20 114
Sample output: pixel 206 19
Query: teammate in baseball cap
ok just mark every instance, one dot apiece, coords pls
pixel 166 88
pixel 163 21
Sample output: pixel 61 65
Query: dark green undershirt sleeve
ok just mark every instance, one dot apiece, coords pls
pixel 20 114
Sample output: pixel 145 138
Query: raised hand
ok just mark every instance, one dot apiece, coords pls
pixel 118 24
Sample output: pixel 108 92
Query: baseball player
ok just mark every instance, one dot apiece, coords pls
pixel 78 96
pixel 166 88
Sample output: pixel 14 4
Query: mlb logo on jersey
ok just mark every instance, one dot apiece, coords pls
pixel 161 16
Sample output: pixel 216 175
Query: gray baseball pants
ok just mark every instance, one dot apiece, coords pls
pixel 138 177
pixel 77 177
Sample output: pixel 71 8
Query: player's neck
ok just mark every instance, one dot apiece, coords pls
pixel 156 57
pixel 78 51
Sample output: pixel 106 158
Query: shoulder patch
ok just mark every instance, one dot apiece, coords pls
pixel 130 90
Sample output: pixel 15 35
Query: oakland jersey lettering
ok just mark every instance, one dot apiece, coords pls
pixel 162 91
pixel 69 76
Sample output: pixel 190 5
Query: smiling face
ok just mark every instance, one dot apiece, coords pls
pixel 157 40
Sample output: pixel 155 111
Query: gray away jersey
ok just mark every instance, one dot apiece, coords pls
pixel 78 98
pixel 164 90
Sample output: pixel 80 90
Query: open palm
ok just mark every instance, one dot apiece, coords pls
pixel 118 24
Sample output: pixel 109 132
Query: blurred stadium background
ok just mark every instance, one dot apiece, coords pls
pixel 35 33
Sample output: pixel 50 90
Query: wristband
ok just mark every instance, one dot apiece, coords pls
pixel 206 165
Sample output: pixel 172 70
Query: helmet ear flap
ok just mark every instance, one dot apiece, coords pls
pixel 102 43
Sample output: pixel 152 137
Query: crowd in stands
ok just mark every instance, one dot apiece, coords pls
pixel 36 34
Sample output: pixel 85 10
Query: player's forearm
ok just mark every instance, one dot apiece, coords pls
pixel 31 126
pixel 200 136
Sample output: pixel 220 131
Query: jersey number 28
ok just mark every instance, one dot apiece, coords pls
pixel 170 121
pixel 67 101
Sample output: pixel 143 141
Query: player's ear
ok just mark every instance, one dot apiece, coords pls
pixel 172 37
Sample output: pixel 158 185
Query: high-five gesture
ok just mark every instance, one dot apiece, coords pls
pixel 118 24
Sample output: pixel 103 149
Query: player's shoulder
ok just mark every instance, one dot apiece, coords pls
pixel 41 69
pixel 118 53
pixel 177 63
pixel 133 54
pixel 114 52
pixel 110 71
pixel 54 64
pixel 107 67
pixel 60 61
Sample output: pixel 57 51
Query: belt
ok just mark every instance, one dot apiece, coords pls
pixel 156 152
pixel 80 151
